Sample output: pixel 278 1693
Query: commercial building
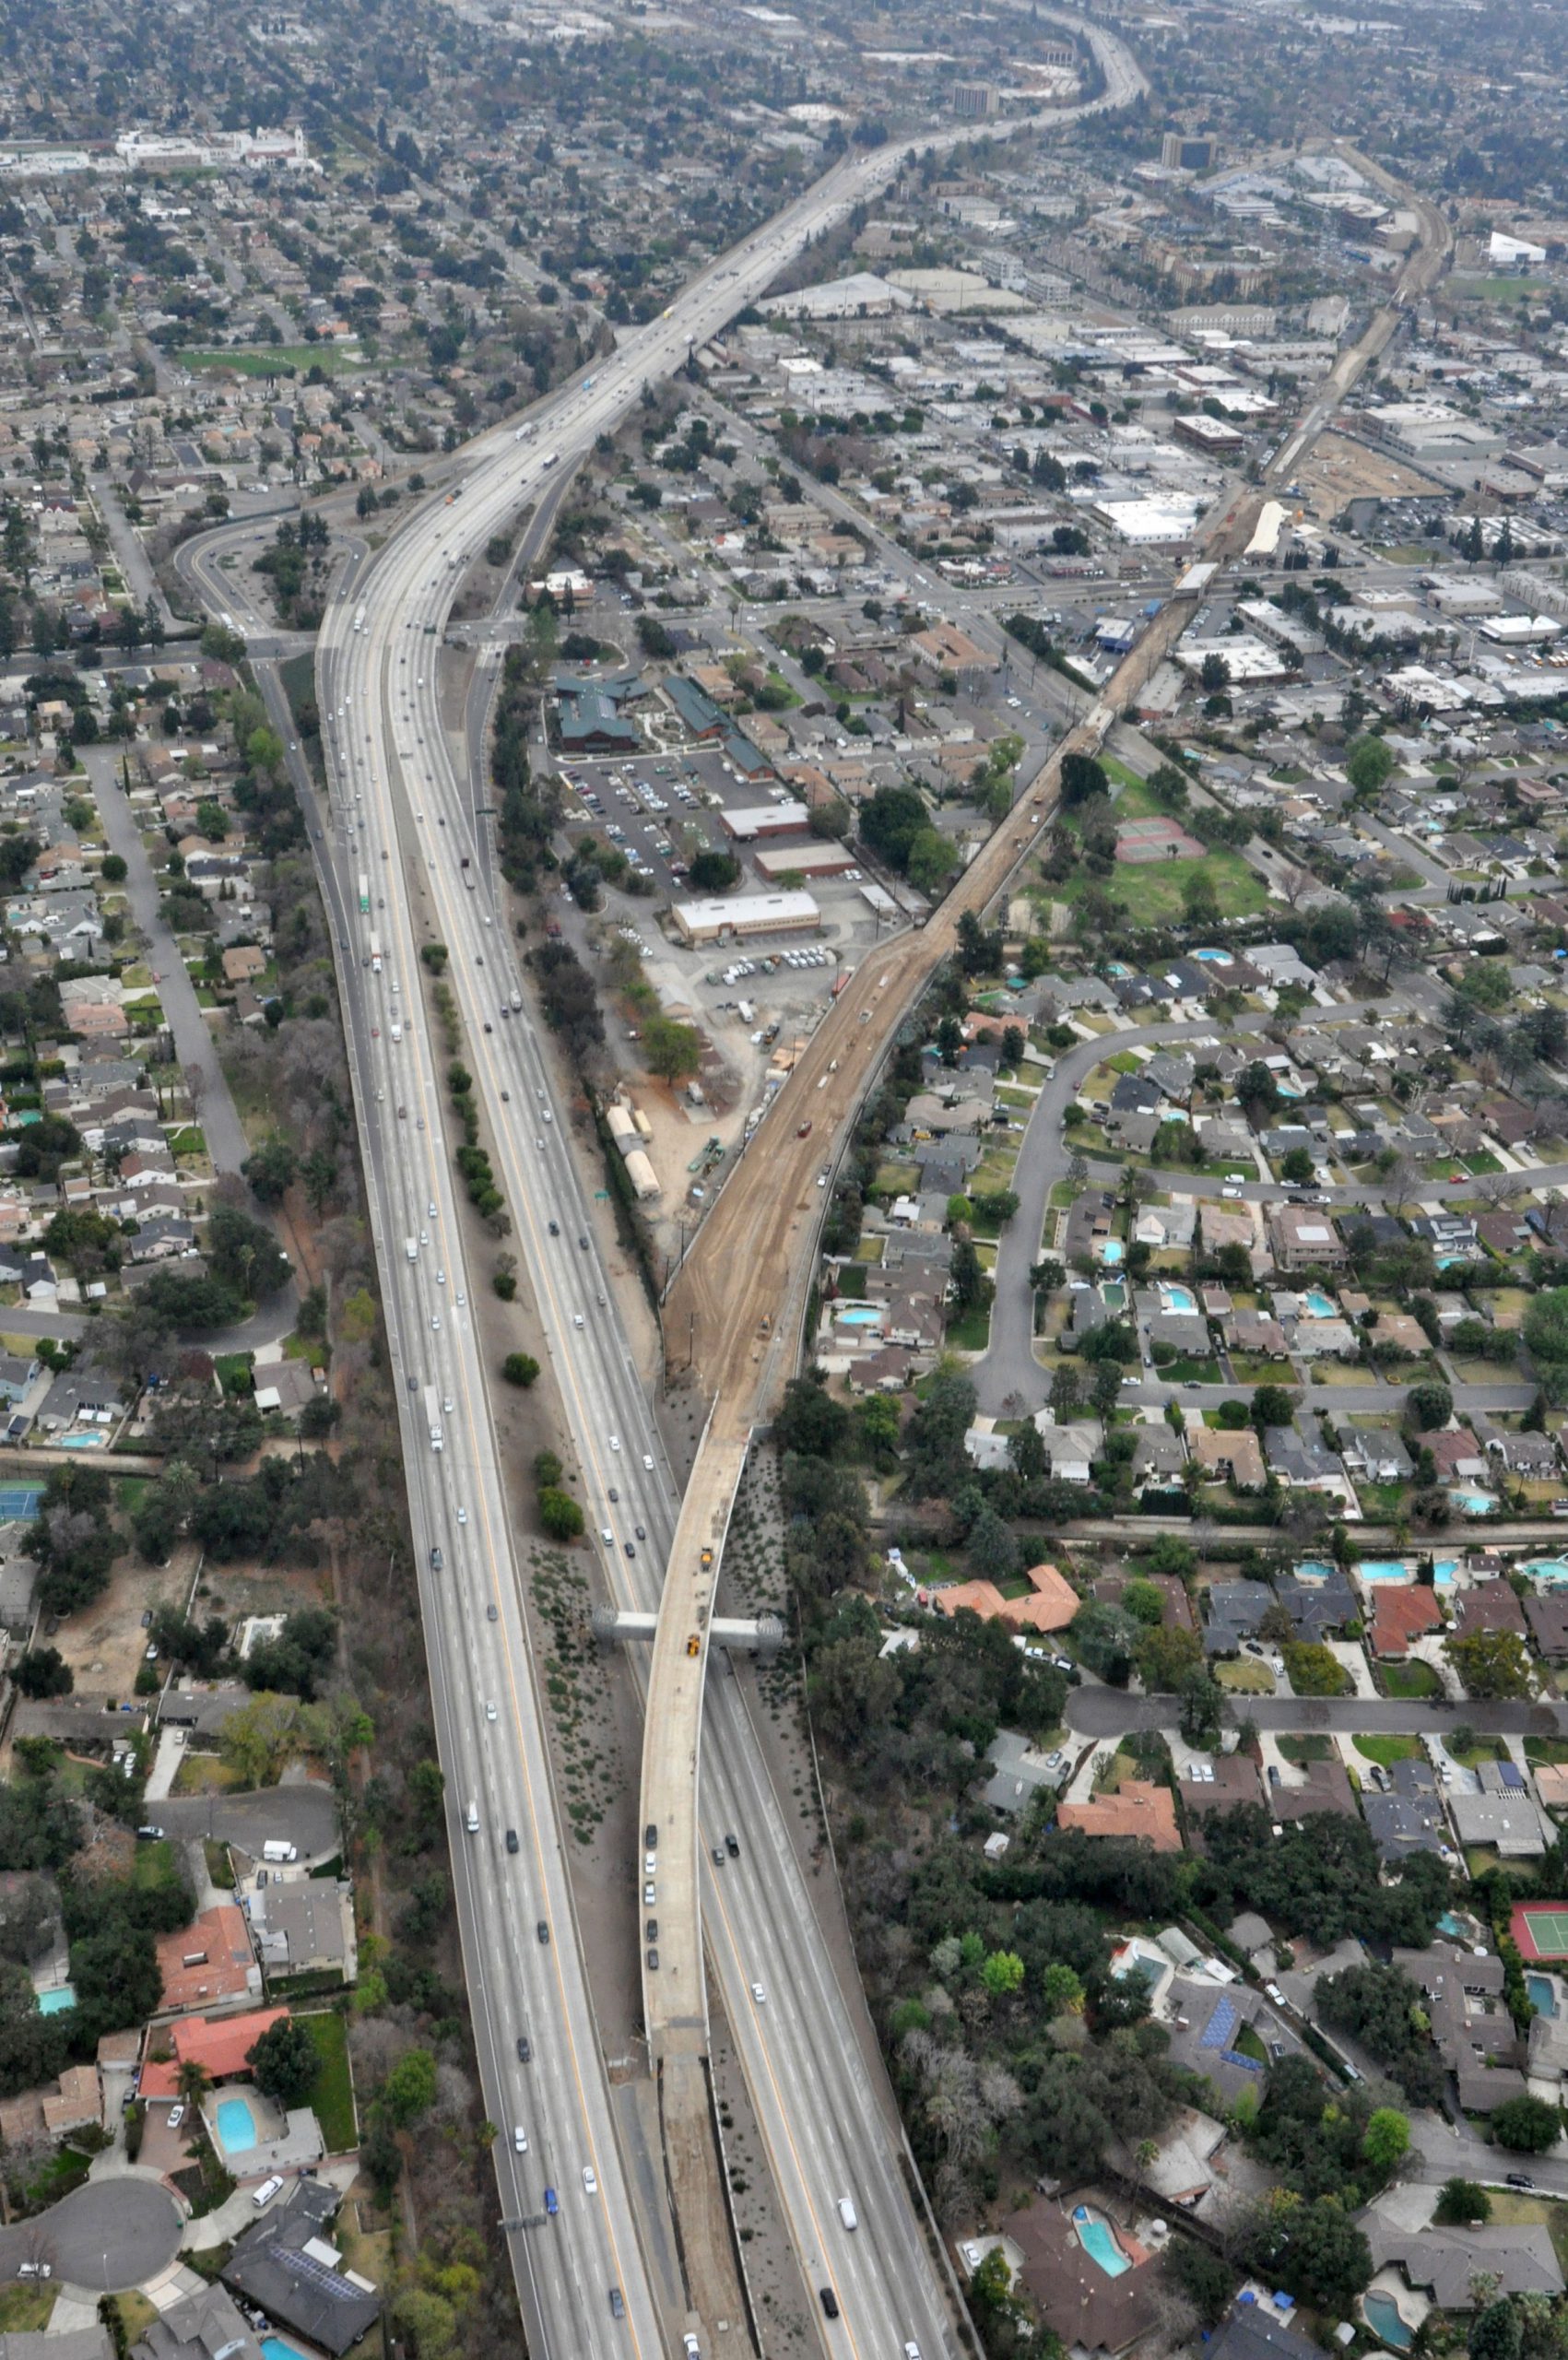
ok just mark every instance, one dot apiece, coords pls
pixel 1190 152
pixel 804 860
pixel 745 915
pixel 972 101
pixel 746 821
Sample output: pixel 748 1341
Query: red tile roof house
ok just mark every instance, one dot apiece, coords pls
pixel 222 2043
pixel 1397 1617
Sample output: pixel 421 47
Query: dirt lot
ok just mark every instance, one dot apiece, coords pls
pixel 104 1643
pixel 1341 469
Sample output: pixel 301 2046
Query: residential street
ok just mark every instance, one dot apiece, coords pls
pixel 1108 1712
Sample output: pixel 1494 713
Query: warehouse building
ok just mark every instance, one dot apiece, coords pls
pixel 745 915
pixel 803 860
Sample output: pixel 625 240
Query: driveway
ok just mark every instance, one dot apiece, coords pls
pixel 109 2236
pixel 306 1814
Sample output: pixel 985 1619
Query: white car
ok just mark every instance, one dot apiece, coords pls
pixel 490 1712
pixel 615 1442
pixel 462 1515
pixel 589 2179
pixel 648 1462
pixel 519 2140
pixel 440 1277
pixel 435 1319
pixel 176 2117
pixel 462 1299
pixel 758 1994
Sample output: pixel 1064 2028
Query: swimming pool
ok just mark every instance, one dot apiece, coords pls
pixel 1318 1305
pixel 1312 1569
pixel 1215 958
pixel 1388 2321
pixel 1449 1924
pixel 1113 1293
pixel 858 1316
pixel 1178 1298
pixel 1475 1503
pixel 1383 1569
pixel 1545 1569
pixel 1445 1569
pixel 1542 1993
pixel 81 1442
pixel 1112 1251
pixel 274 2348
pixel 55 2002
pixel 1098 2239
pixel 236 2125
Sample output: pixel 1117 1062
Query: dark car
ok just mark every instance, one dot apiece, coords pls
pixel 654 1961
pixel 511 1840
pixel 830 2302
pixel 524 2050
pixel 552 2203
pixel 629 1547
pixel 1520 2179
pixel 583 1243
pixel 732 1845
pixel 437 1560
pixel 555 1229
pixel 542 1931
pixel 651 1836
pixel 618 2308
pixel 641 1534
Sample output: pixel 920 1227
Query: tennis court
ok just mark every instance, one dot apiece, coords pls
pixel 1540 1930
pixel 18 1501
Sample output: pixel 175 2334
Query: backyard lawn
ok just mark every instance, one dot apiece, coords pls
pixel 332 2098
pixel 1410 1680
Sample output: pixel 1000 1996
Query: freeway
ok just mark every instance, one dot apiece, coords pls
pixel 402 817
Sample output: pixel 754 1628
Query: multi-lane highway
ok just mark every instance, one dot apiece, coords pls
pixel 402 818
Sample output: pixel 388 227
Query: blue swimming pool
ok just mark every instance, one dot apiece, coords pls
pixel 236 2125
pixel 858 1316
pixel 55 2002
pixel 1542 1993
pixel 1312 1569
pixel 1215 958
pixel 1475 1503
pixel 1449 1924
pixel 1098 2239
pixel 1383 1569
pixel 1318 1305
pixel 1545 1569
pixel 1446 1569
pixel 1388 2321
pixel 274 2348
pixel 1178 1298
pixel 1113 1251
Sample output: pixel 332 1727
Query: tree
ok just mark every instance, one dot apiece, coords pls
pixel 1546 1339
pixel 1272 1405
pixel 1526 2125
pixel 1496 2332
pixel 1428 1407
pixel 1368 764
pixel 1461 2203
pixel 1314 2250
pixel 889 822
pixel 559 1514
pixel 1214 675
pixel 1315 1669
pixel 1106 1640
pixel 1145 1602
pixel 1166 1657
pixel 1494 1664
pixel 1066 1390
pixel 271 1169
pixel 810 1423
pixel 932 860
pixel 409 2089
pixel 520 1368
pixel 1258 1090
pixel 1208 2281
pixel 1002 1973
pixel 669 1049
pixel 1202 1714
pixel 1386 2140
pixel 285 2061
pixel 44 1672
pixel 714 872
pixel 993 1550
pixel 1082 778
pixel 1201 902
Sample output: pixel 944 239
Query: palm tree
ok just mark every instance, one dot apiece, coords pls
pixel 192 2082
